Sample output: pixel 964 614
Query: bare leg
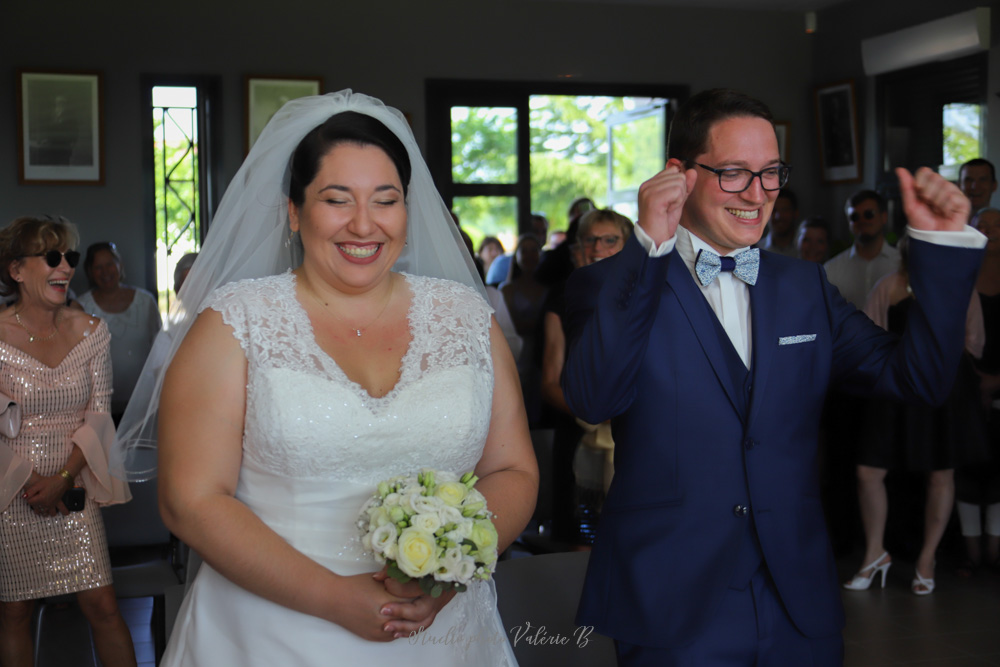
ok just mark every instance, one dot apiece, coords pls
pixel 971 520
pixel 940 499
pixel 112 638
pixel 15 634
pixel 874 504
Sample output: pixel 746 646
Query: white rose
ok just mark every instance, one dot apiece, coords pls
pixel 426 504
pixel 475 497
pixel 383 536
pixel 451 557
pixel 450 514
pixel 428 522
pixel 406 501
pixel 466 568
pixel 416 552
pixel 378 517
pixel 452 493
pixel 461 532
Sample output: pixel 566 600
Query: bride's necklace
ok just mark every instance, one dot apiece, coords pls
pixel 356 330
pixel 33 337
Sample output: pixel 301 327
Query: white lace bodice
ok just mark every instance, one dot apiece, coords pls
pixel 306 419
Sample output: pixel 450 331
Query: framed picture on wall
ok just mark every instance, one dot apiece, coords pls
pixel 265 96
pixel 59 128
pixel 837 129
pixel 783 131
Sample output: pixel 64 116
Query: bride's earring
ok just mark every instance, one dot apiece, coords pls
pixel 289 239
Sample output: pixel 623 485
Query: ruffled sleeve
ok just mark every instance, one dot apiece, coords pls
pixel 97 434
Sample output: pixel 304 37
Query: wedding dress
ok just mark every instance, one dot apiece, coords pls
pixel 315 445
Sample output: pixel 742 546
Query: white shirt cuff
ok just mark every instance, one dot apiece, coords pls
pixel 970 237
pixel 650 245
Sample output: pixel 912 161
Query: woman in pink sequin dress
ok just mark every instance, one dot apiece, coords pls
pixel 54 363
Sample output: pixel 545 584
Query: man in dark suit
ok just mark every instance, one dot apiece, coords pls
pixel 712 548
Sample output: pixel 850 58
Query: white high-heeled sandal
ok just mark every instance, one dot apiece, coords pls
pixel 920 585
pixel 862 581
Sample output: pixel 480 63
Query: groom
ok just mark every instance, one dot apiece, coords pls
pixel 712 548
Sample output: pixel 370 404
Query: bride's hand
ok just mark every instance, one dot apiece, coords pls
pixel 416 612
pixel 360 604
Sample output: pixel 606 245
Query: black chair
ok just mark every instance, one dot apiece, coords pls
pixel 537 597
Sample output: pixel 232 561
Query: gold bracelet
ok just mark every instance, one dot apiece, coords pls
pixel 66 475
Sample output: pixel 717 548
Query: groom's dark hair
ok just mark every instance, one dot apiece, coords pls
pixel 694 120
pixel 348 127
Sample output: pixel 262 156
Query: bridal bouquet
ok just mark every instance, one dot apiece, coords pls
pixel 433 527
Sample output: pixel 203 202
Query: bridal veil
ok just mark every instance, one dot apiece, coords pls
pixel 248 239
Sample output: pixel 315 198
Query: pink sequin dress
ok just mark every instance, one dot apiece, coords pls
pixel 61 407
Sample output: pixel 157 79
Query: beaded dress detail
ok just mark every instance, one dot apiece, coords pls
pixel 48 556
pixel 315 444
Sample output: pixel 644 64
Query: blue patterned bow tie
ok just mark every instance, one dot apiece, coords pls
pixel 744 266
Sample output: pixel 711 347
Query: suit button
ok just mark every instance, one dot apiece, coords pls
pixel 749 443
pixel 741 510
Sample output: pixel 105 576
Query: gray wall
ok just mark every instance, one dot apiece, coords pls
pixel 388 49
pixel 838 57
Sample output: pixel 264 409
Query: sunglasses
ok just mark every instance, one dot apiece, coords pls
pixel 54 258
pixel 867 215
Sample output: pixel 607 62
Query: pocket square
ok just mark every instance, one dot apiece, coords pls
pixel 795 340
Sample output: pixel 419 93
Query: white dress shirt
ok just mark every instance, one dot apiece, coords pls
pixel 729 297
pixel 856 276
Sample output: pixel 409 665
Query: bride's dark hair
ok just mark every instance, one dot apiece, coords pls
pixel 347 127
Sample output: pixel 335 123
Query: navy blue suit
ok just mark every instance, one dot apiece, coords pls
pixel 715 465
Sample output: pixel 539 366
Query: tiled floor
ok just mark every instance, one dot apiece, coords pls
pixel 957 626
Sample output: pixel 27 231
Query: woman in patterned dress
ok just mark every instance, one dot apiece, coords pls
pixel 54 363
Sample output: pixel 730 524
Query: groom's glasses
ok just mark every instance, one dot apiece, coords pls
pixel 867 214
pixel 738 180
pixel 54 258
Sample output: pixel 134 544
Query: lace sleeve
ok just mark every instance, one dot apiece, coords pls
pixel 228 301
pixel 457 321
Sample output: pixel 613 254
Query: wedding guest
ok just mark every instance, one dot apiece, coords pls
pixel 489 249
pixel 182 269
pixel 54 363
pixel 912 437
pixel 784 218
pixel 856 270
pixel 977 487
pixel 813 239
pixel 978 180
pixel 578 207
pixel 525 297
pixel 576 507
pixel 292 395
pixel 131 314
pixel 557 263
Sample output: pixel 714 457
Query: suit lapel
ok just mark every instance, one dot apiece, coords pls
pixel 699 315
pixel 763 322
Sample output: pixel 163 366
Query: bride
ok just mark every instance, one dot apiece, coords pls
pixel 292 394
